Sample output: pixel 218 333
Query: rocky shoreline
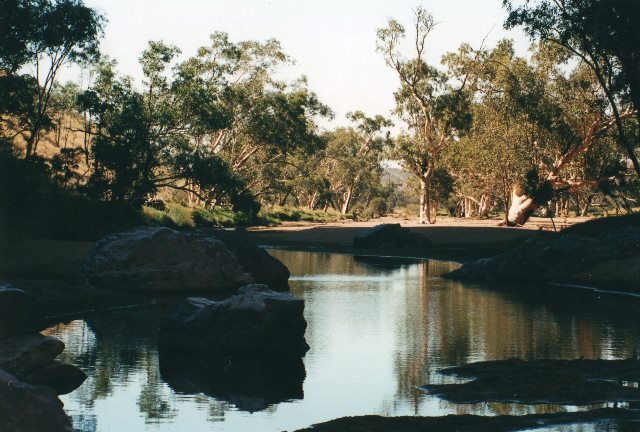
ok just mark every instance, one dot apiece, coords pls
pixel 608 260
pixel 30 376
pixel 148 264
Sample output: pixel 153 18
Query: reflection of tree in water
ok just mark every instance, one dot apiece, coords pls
pixel 116 349
pixel 445 323
pixel 154 399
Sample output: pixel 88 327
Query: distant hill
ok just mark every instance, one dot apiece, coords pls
pixel 393 175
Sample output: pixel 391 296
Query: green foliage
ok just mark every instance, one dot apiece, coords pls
pixel 603 35
pixel 49 34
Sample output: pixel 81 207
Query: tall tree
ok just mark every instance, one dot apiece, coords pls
pixel 604 34
pixel 535 125
pixel 434 110
pixel 45 35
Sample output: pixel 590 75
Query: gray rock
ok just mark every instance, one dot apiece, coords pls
pixel 390 236
pixel 254 322
pixel 28 408
pixel 20 355
pixel 61 377
pixel 559 260
pixel 158 259
pixel 264 268
pixel 18 312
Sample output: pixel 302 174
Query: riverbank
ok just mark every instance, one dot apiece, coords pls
pixel 451 238
pixel 50 269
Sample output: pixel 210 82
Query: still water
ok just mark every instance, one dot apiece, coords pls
pixel 378 328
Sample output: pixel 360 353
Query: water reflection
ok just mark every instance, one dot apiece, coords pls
pixel 250 385
pixel 377 330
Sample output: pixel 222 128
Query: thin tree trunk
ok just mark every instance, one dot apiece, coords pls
pixel 423 199
pixel 347 200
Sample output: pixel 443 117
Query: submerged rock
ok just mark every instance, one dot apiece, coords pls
pixel 158 259
pixel 390 236
pixel 18 312
pixel 254 322
pixel 28 408
pixel 570 258
pixel 567 382
pixel 475 423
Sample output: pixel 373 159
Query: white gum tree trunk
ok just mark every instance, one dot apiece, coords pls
pixel 521 208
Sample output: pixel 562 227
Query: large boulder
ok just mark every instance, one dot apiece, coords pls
pixel 158 259
pixel 254 322
pixel 264 268
pixel 569 258
pixel 28 408
pixel 18 312
pixel 390 236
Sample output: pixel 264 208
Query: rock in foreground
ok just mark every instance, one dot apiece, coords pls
pixel 570 258
pixel 390 236
pixel 28 408
pixel 475 423
pixel 254 322
pixel 162 260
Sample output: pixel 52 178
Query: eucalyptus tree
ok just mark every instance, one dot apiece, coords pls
pixel 252 120
pixel 354 156
pixel 539 123
pixel 42 36
pixel 142 139
pixel 605 36
pixel 426 101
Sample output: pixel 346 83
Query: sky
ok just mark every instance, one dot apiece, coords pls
pixel 332 41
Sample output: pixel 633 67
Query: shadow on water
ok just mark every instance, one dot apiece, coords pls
pixel 377 329
pixel 250 385
pixel 385 263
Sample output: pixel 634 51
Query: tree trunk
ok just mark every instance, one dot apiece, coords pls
pixel 521 208
pixel 312 201
pixel 347 200
pixel 587 204
pixel 423 200
pixel 428 209
pixel 483 208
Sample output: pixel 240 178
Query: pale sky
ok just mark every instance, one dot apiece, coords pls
pixel 332 41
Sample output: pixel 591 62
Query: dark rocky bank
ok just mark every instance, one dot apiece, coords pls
pixel 609 260
pixel 30 376
pixel 457 423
